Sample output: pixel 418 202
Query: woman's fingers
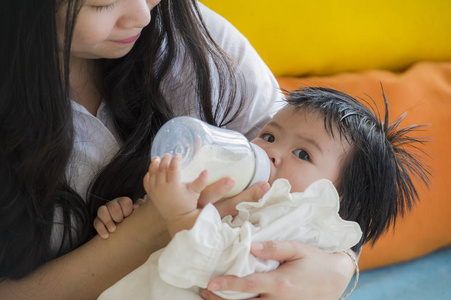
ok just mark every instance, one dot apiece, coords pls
pixel 199 184
pixel 255 283
pixel 207 295
pixel 281 250
pixel 254 193
pixel 305 272
pixel 276 284
pixel 215 191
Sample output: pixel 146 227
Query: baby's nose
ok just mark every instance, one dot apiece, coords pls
pixel 274 157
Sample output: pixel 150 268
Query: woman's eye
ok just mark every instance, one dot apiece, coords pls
pixel 268 137
pixel 302 154
pixel 105 7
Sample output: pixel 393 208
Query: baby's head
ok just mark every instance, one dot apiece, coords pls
pixel 324 133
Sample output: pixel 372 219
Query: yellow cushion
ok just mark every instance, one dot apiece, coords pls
pixel 424 91
pixel 296 37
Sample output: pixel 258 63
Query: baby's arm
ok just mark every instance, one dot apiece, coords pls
pixel 176 201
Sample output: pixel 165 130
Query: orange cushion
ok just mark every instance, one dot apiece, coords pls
pixel 424 91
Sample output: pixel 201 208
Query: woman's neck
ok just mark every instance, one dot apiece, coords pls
pixel 84 89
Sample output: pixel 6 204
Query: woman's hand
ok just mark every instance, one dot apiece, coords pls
pixel 227 206
pixel 305 272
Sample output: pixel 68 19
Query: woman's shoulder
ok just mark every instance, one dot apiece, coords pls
pixel 223 32
pixel 261 88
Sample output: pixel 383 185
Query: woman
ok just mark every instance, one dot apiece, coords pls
pixel 85 86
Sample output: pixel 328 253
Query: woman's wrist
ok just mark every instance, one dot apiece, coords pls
pixel 347 264
pixel 354 258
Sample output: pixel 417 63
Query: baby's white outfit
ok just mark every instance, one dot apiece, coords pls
pixel 222 247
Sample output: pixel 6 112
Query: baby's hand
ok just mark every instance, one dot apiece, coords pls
pixel 115 211
pixel 172 198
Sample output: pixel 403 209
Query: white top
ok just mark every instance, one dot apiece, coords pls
pixel 95 139
pixel 96 142
pixel 222 247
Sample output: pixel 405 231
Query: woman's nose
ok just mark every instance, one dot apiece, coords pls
pixel 137 14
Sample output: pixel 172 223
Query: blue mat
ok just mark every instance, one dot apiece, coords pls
pixel 428 277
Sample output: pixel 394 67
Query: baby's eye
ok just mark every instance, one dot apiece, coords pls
pixel 302 154
pixel 268 137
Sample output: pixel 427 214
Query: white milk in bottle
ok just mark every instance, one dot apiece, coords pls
pixel 223 152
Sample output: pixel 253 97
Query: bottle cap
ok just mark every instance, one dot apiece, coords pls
pixel 262 165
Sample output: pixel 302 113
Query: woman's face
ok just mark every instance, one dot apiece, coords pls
pixel 106 28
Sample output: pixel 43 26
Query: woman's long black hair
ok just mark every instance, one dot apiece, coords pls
pixel 175 29
pixel 36 130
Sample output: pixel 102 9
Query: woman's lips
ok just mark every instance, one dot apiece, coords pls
pixel 129 40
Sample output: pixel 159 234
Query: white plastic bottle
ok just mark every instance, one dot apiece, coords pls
pixel 223 152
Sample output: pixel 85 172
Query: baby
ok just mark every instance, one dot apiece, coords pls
pixel 329 154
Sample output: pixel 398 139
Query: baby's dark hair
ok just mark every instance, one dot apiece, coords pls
pixel 376 178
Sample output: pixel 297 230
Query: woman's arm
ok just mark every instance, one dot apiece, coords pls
pixel 305 272
pixel 87 271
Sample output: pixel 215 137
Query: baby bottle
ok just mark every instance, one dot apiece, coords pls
pixel 223 152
